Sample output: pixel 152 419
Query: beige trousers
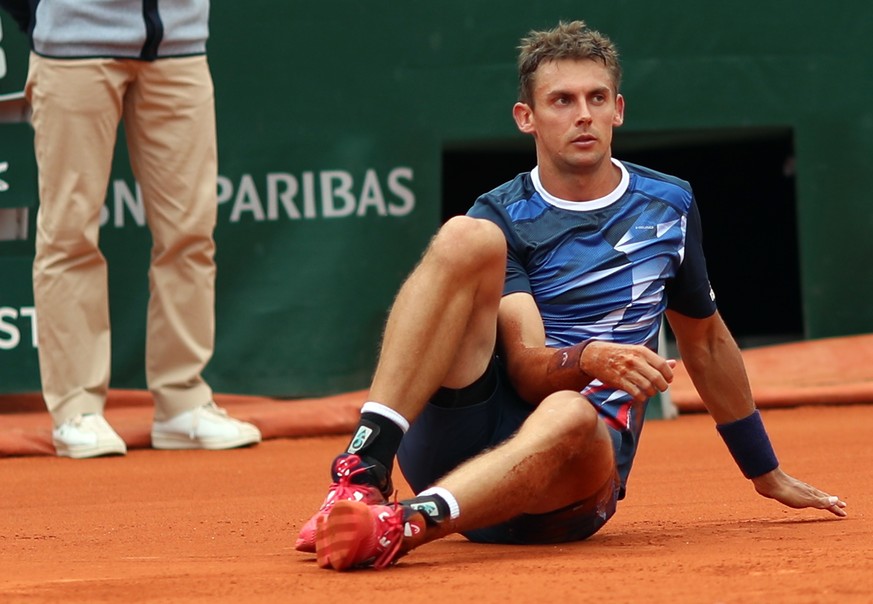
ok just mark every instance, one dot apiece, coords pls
pixel 167 107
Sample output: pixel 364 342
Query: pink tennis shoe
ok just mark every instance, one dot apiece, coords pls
pixel 353 481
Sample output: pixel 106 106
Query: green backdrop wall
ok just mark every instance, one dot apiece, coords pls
pixel 333 119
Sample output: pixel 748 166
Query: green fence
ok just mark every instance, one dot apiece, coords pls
pixel 333 119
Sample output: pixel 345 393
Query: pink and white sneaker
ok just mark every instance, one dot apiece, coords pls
pixel 353 535
pixel 354 480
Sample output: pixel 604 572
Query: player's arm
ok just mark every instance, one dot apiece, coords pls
pixel 716 368
pixel 537 370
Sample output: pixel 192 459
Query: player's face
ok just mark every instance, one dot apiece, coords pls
pixel 574 109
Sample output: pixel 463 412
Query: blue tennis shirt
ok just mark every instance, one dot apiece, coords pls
pixel 605 269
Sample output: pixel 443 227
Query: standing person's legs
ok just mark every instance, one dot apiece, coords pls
pixel 169 119
pixel 76 108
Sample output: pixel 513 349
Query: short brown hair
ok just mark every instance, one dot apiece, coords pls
pixel 574 40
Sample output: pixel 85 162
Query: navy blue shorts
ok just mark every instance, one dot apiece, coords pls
pixel 441 438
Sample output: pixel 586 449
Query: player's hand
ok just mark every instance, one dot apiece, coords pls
pixel 797 494
pixel 632 368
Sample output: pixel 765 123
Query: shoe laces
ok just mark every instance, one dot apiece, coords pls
pixel 75 422
pixel 347 468
pixel 391 536
pixel 206 410
pixel 213 409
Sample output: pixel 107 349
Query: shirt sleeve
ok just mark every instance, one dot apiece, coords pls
pixel 689 292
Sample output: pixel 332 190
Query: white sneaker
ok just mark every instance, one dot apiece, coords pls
pixel 206 427
pixel 87 435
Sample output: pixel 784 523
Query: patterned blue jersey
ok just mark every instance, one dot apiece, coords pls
pixel 605 269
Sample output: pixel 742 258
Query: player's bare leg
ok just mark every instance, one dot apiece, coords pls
pixel 443 325
pixel 561 455
pixel 441 331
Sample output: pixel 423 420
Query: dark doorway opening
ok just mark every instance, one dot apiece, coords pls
pixel 745 189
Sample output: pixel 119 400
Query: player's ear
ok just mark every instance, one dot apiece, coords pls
pixel 618 118
pixel 523 116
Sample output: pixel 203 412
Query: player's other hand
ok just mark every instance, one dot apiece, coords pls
pixel 632 368
pixel 797 494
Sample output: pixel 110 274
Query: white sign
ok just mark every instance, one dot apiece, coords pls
pixel 11 320
pixel 2 54
pixel 283 196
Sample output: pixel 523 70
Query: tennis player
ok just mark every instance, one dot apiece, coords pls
pixel 520 354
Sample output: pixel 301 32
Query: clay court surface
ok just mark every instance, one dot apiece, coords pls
pixel 197 526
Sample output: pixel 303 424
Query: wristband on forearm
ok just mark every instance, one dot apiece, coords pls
pixel 749 445
pixel 569 358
